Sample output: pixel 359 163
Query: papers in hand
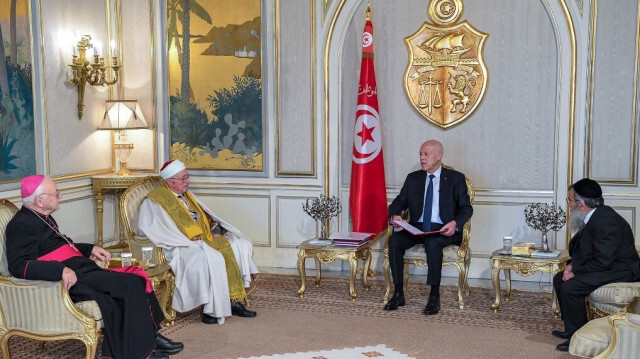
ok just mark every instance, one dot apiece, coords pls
pixel 411 229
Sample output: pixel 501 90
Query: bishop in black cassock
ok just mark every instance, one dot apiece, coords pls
pixel 36 249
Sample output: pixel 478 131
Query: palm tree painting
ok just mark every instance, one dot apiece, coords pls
pixel 17 141
pixel 215 84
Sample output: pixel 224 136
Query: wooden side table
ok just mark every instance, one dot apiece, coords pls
pixel 328 254
pixel 162 279
pixel 111 183
pixel 524 266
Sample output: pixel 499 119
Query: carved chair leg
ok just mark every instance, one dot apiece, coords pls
pixel 461 283
pixel 406 277
pixel 387 277
pixel 4 343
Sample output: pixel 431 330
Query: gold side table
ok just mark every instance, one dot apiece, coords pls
pixel 112 183
pixel 328 254
pixel 524 266
pixel 162 279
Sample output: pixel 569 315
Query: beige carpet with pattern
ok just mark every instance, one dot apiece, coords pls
pixel 326 319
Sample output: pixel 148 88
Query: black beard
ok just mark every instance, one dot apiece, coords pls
pixel 576 221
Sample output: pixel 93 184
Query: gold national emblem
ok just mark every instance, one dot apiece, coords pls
pixel 446 77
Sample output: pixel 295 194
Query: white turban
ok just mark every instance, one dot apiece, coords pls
pixel 170 168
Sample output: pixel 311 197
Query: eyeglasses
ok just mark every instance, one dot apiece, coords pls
pixel 181 179
pixel 57 194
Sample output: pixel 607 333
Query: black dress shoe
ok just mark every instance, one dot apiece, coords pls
pixel 238 309
pixel 561 335
pixel 158 354
pixel 207 319
pixel 397 300
pixel 564 346
pixel 433 305
pixel 168 346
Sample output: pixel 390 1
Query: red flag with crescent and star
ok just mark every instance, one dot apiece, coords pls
pixel 368 198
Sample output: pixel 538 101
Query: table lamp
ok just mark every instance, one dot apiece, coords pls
pixel 122 115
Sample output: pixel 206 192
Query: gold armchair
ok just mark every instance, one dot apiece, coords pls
pixel 41 310
pixel 161 276
pixel 613 336
pixel 459 256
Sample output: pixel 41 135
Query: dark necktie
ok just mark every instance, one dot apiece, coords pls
pixel 428 204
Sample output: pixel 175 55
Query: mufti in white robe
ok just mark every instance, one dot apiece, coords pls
pixel 201 276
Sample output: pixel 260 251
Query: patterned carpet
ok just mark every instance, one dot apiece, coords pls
pixel 525 311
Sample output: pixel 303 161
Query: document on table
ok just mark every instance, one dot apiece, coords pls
pixel 411 229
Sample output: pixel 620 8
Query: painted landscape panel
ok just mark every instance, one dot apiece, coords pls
pixel 215 84
pixel 17 141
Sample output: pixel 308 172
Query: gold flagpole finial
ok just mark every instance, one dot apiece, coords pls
pixel 368 11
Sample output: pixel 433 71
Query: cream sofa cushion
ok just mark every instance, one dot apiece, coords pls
pixel 619 294
pixel 595 336
pixel 450 253
pixel 591 339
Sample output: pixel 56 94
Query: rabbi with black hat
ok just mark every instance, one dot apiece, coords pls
pixel 602 251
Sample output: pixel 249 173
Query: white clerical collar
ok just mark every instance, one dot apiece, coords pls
pixel 588 216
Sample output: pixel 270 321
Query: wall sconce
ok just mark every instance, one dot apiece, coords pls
pixel 92 73
pixel 121 115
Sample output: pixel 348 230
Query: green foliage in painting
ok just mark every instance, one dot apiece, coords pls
pixel 188 123
pixel 6 158
pixel 243 102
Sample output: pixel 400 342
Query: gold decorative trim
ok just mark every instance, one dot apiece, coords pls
pixel 615 321
pixel 152 120
pixel 312 101
pixel 572 100
pixel 633 148
pixel 327 47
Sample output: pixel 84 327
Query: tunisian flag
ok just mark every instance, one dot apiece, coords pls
pixel 368 199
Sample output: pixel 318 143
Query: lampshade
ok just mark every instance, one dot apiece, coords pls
pixel 122 115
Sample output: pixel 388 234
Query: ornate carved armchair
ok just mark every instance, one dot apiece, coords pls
pixel 458 256
pixel 161 276
pixel 41 310
pixel 613 336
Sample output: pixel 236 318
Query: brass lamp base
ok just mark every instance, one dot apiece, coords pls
pixel 123 152
pixel 124 171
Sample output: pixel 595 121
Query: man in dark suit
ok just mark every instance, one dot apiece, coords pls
pixel 437 200
pixel 602 251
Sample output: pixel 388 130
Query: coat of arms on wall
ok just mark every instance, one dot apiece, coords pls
pixel 446 77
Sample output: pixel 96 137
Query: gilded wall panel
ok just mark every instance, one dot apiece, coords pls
pixel 251 214
pixel 137 77
pixel 510 141
pixel 74 146
pixel 296 135
pixel 291 233
pixel 612 154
